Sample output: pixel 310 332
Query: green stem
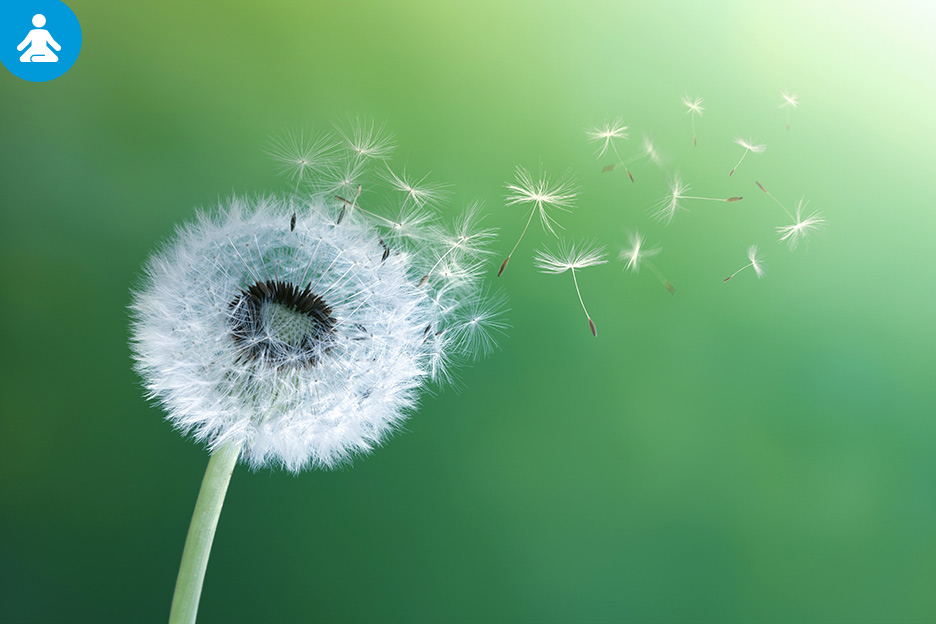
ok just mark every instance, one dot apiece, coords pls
pixel 201 534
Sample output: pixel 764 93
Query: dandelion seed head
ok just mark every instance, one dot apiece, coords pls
pixel 606 133
pixel 309 345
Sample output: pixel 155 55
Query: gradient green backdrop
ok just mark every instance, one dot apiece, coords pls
pixel 757 451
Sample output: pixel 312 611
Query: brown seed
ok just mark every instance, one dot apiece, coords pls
pixel 607 169
pixel 422 282
pixel 670 288
pixel 734 199
pixel 760 186
pixel 629 175
pixel 503 266
pixel 730 172
pixel 591 325
pixel 292 223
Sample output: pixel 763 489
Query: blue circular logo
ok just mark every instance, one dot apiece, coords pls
pixel 39 39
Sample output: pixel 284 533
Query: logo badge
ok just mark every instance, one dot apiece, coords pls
pixel 39 39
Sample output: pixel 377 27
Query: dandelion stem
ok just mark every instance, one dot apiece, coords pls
pixel 201 534
pixel 591 323
pixel 738 271
pixel 661 277
pixel 529 220
pixel 770 195
pixel 708 198
pixel 739 163
pixel 623 164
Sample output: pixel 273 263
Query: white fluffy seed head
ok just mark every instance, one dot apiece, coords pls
pixel 307 341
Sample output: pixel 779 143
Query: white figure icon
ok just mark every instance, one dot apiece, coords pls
pixel 38 41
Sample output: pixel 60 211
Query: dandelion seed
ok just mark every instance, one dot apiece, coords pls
pixel 568 258
pixel 468 240
pixel 648 152
pixel 300 154
pixel 695 109
pixel 607 133
pixel 543 196
pixel 366 140
pixel 666 209
pixel 790 101
pixel 416 192
pixel 754 262
pixel 481 323
pixel 802 226
pixel 748 146
pixel 638 254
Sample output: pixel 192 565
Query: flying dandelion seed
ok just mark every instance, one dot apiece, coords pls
pixel 301 154
pixel 568 258
pixel 543 196
pixel 748 146
pixel 638 254
pixel 802 225
pixel 607 133
pixel 754 262
pixel 415 192
pixel 695 109
pixel 467 241
pixel 790 101
pixel 647 152
pixel 665 209
pixel 367 141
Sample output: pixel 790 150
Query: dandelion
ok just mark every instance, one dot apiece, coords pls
pixel 648 152
pixel 753 261
pixel 298 347
pixel 748 146
pixel 568 258
pixel 543 196
pixel 695 109
pixel 802 225
pixel 638 254
pixel 668 206
pixel 790 101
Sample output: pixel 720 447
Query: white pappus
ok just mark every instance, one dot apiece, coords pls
pixel 292 328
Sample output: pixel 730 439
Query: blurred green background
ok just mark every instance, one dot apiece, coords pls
pixel 756 451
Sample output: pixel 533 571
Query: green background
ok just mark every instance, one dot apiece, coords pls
pixel 750 451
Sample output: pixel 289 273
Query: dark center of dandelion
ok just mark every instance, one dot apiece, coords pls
pixel 276 322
